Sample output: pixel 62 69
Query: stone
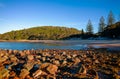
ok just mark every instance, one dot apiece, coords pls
pixel 77 60
pixel 37 73
pixel 27 52
pixel 3 59
pixel 22 54
pixel 44 66
pixel 29 65
pixel 24 73
pixel 13 58
pixel 82 69
pixel 30 57
pixel 96 61
pixel 4 73
pixel 52 69
pixel 56 62
pixel 64 62
pixel 43 59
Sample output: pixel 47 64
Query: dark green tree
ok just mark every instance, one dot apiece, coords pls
pixel 101 25
pixel 89 27
pixel 82 32
pixel 111 18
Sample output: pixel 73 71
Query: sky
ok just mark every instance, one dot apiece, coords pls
pixel 23 14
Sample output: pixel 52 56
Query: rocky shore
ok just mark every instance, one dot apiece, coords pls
pixel 59 64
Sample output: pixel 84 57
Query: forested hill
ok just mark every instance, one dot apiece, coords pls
pixel 40 33
pixel 112 31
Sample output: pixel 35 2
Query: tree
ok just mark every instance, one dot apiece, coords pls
pixel 111 19
pixel 82 32
pixel 89 28
pixel 101 25
pixel 119 18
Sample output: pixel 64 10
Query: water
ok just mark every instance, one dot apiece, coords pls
pixel 70 44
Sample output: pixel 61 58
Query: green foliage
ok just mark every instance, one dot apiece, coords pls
pixel 40 33
pixel 112 31
pixel 111 18
pixel 101 25
pixel 89 27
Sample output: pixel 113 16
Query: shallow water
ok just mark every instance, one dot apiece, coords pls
pixel 68 44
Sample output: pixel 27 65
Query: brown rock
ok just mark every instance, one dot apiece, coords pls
pixel 4 73
pixel 77 60
pixel 29 65
pixel 44 66
pixel 24 73
pixel 56 62
pixel 30 57
pixel 52 69
pixel 13 58
pixel 37 73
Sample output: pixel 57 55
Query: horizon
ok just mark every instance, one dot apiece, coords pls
pixel 23 14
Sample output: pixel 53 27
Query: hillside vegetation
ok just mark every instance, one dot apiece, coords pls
pixel 40 33
pixel 112 31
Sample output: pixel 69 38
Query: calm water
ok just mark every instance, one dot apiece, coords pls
pixel 79 44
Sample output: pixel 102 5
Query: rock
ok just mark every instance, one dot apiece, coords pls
pixel 44 66
pixel 16 78
pixel 3 59
pixel 30 57
pixel 52 69
pixel 74 55
pixel 13 58
pixel 64 62
pixel 37 73
pixel 43 59
pixel 94 74
pixel 24 73
pixel 56 62
pixel 77 60
pixel 80 76
pixel 29 65
pixel 27 52
pixel 68 56
pixel 12 74
pixel 96 61
pixel 22 54
pixel 4 73
pixel 82 69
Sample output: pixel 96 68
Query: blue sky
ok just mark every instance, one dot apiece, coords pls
pixel 20 14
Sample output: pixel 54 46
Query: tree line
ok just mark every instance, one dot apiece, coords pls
pixel 102 24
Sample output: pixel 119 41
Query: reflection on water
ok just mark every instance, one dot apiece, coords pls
pixel 79 44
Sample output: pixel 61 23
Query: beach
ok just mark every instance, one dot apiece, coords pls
pixel 59 64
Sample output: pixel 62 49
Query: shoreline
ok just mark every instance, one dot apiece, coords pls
pixel 88 43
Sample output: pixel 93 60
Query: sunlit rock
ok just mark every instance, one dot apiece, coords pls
pixel 24 73
pixel 4 73
pixel 30 57
pixel 52 69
